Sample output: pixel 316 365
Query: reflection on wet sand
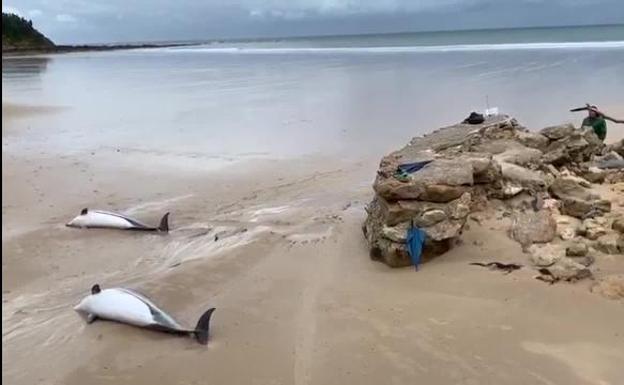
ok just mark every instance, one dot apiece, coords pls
pixel 24 67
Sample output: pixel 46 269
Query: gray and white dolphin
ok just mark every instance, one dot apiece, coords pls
pixel 106 219
pixel 129 307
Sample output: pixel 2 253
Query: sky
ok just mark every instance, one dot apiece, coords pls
pixel 109 21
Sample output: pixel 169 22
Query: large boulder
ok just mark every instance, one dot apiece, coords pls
pixel 610 244
pixel 567 269
pixel 517 178
pixel 593 229
pixel 544 255
pixel 521 156
pixel 558 132
pixel 532 140
pixel 533 227
pixel 576 200
pixel 577 249
pixel 594 174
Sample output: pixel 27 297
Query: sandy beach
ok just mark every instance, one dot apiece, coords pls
pixel 298 299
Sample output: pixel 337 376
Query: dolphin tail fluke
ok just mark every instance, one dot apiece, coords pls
pixel 203 326
pixel 164 223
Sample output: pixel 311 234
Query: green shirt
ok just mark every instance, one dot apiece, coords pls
pixel 598 124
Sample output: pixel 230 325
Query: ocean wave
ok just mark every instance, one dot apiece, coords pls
pixel 618 44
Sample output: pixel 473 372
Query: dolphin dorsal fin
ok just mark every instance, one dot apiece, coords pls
pixel 84 211
pixel 95 289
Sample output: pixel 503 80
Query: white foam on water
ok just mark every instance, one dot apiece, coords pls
pixel 616 44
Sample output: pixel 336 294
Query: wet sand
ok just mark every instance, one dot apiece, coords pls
pixel 298 299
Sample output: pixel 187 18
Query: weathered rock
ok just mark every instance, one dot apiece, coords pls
pixel 439 181
pixel 552 170
pixel 609 244
pixel 545 255
pixel 576 146
pixel 396 233
pixel 557 132
pixel 594 175
pixel 392 189
pixel 395 254
pixel 611 287
pixel 577 249
pixel 578 201
pixel 431 217
pixel 618 225
pixel 615 176
pixel 567 233
pixel 387 224
pixel 442 193
pixel 519 155
pixel 520 202
pixel 393 213
pixel 567 175
pixel 484 169
pixel 617 147
pixel 556 154
pixel 459 208
pixel 586 260
pixel 391 253
pixel 447 229
pixel 567 227
pixel 593 229
pixel 567 269
pixel 509 189
pixel 552 204
pixel 523 177
pixel 532 140
pixel 610 160
pixel 533 227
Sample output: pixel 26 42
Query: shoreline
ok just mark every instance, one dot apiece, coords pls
pixel 17 52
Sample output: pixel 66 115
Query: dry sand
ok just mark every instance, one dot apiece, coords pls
pixel 298 300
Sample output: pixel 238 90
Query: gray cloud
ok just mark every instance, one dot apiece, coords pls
pixel 80 21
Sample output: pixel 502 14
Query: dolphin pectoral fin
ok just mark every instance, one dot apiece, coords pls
pixel 91 318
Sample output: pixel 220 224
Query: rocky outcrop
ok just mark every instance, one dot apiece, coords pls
pixel 464 166
pixel 438 197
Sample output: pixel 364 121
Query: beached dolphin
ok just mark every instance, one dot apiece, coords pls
pixel 129 307
pixel 106 219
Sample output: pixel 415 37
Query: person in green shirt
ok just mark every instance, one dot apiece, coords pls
pixel 596 121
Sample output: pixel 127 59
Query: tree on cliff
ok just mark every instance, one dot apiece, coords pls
pixel 18 32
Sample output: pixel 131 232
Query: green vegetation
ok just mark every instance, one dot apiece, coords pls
pixel 19 33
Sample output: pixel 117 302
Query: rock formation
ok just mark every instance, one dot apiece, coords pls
pixel 543 175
